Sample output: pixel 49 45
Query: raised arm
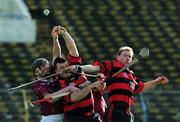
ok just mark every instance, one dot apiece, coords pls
pixel 56 45
pixel 70 44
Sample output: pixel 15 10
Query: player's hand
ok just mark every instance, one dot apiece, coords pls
pixel 100 77
pixel 61 30
pixel 54 32
pixel 162 80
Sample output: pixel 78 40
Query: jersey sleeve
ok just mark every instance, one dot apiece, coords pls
pixel 139 87
pixel 73 60
pixel 105 67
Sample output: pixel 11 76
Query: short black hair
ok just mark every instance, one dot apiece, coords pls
pixel 59 60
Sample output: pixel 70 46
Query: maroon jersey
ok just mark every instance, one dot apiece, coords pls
pixel 121 87
pixel 47 108
pixel 84 106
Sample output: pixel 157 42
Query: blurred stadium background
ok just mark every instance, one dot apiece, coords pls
pixel 99 28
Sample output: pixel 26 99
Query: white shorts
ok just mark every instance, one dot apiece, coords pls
pixel 53 118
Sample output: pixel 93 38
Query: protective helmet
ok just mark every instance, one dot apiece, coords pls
pixel 38 62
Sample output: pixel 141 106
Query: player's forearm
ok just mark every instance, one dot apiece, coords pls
pixel 57 95
pixel 66 89
pixel 70 44
pixel 150 84
pixel 77 96
pixel 48 95
pixel 52 100
pixel 101 87
pixel 90 68
pixel 56 48
pixel 159 80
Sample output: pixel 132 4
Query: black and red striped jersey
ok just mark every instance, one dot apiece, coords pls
pixel 121 87
pixel 83 106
